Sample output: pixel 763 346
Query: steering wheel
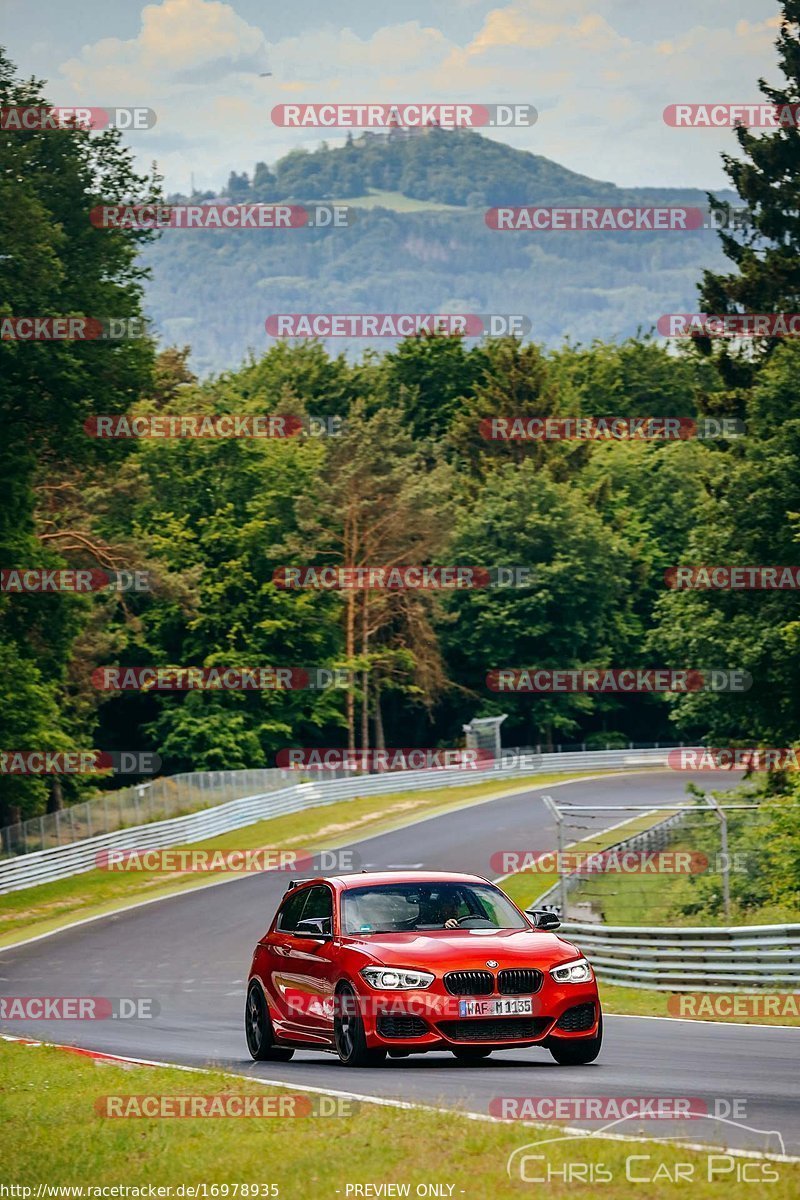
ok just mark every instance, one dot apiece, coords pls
pixel 474 917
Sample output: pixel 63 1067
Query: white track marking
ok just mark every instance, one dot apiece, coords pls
pixel 386 1102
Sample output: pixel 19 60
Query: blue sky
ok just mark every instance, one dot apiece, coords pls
pixel 599 71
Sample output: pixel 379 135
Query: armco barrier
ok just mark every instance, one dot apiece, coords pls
pixel 155 800
pixel 692 958
pixel 682 958
pixel 59 862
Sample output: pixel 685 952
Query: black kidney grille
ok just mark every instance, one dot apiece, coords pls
pixel 577 1019
pixel 469 983
pixel 519 980
pixel 501 1029
pixel 401 1026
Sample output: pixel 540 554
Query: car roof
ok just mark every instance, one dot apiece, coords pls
pixel 376 878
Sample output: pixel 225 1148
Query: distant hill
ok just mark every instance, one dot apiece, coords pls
pixel 420 244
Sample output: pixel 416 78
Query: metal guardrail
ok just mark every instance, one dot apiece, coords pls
pixel 59 862
pixel 156 800
pixel 688 958
pixel 175 795
pixel 685 957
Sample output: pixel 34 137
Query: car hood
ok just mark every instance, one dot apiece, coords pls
pixel 465 949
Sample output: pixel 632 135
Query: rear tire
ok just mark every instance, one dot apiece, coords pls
pixel 258 1029
pixel 577 1053
pixel 349 1035
pixel 472 1054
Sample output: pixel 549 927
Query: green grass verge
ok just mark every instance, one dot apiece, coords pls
pixel 636 899
pixel 53 1134
pixel 397 202
pixel 643 1002
pixel 53 905
pixel 677 899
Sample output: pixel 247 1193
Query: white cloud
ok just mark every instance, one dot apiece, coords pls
pixel 175 36
pixel 600 81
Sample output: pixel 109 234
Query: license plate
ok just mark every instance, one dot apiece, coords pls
pixel 505 1006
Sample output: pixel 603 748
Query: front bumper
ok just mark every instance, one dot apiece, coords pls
pixel 430 1018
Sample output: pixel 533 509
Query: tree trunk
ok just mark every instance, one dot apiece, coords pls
pixel 55 801
pixel 365 673
pixel 350 647
pixel 380 737
pixel 10 814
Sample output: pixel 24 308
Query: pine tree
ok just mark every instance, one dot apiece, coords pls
pixel 766 250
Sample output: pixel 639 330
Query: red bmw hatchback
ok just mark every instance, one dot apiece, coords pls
pixel 407 962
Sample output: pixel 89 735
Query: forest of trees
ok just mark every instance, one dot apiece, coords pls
pixel 408 479
pixel 457 167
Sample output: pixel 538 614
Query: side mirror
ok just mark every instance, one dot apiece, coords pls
pixel 314 927
pixel 543 919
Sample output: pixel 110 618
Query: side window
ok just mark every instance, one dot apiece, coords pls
pixel 291 909
pixel 320 904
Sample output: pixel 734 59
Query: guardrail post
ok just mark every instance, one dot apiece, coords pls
pixel 726 866
pixel 553 808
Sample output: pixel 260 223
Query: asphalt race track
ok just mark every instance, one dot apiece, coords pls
pixel 192 953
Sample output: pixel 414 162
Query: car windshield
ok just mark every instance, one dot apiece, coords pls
pixel 407 907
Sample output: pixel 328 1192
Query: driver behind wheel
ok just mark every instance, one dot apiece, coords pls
pixel 440 910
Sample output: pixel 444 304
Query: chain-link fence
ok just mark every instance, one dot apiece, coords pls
pixel 677 865
pixel 175 795
pixel 168 796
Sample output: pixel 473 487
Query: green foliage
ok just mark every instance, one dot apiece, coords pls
pixel 410 478
pixel 766 177
pixel 56 263
pixel 747 514
pixel 576 610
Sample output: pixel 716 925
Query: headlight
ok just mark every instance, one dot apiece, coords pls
pixel 578 971
pixel 399 979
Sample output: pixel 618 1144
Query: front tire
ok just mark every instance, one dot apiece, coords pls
pixel 577 1053
pixel 258 1029
pixel 349 1035
pixel 472 1054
